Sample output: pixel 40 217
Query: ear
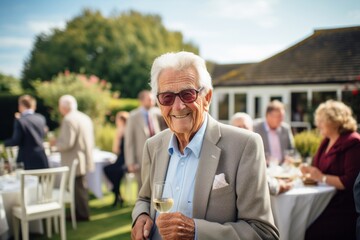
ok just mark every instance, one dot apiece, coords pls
pixel 207 100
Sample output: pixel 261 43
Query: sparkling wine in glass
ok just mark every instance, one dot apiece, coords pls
pixel 162 197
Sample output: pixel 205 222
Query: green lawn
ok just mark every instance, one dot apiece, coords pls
pixel 105 222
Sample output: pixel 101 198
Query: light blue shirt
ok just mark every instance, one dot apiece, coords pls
pixel 182 170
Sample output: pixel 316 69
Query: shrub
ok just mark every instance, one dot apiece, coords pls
pixel 91 93
pixel 307 143
pixel 104 135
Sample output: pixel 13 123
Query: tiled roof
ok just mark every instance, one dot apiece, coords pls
pixel 327 56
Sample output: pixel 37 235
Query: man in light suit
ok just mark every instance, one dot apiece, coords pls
pixel 144 122
pixel 76 141
pixel 275 133
pixel 208 164
pixel 29 133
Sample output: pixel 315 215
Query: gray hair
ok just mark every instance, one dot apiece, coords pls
pixel 179 61
pixel 69 102
pixel 245 117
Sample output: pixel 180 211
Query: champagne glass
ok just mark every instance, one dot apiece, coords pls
pixel 162 197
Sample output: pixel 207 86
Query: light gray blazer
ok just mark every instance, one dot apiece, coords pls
pixel 76 141
pixel 240 210
pixel 285 135
pixel 137 132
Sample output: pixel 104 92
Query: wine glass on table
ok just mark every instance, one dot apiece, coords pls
pixel 162 197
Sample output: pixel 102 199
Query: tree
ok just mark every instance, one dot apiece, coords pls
pixel 9 84
pixel 120 49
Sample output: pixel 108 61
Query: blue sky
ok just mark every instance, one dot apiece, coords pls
pixel 226 31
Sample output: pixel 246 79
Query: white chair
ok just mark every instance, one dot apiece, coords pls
pixel 40 204
pixel 69 194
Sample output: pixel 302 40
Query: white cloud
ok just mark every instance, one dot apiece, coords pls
pixel 44 26
pixel 7 42
pixel 240 54
pixel 261 12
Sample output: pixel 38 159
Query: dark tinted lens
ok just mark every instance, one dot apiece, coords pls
pixel 166 99
pixel 188 95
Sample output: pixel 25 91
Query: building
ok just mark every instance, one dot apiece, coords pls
pixel 325 65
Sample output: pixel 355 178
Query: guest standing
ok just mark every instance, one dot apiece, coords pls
pixel 115 172
pixel 275 133
pixel 29 132
pixel 209 164
pixel 336 163
pixel 76 141
pixel 144 122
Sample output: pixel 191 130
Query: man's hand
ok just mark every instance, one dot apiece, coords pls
pixel 284 186
pixel 142 227
pixel 175 226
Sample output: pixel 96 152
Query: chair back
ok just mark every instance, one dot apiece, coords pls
pixel 43 193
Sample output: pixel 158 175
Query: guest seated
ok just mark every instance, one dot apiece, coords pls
pixel 276 186
pixel 336 163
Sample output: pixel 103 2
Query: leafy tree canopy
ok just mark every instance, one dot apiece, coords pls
pixel 119 48
pixel 9 84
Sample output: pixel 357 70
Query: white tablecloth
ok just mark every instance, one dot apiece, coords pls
pixel 10 197
pixel 296 209
pixel 95 178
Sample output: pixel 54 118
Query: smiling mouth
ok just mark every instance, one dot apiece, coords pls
pixel 180 116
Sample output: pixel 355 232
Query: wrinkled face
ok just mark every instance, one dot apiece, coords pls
pixel 274 118
pixel 183 118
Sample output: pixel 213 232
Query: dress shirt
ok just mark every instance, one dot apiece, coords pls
pixel 274 142
pixel 182 170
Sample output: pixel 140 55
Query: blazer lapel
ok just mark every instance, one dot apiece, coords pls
pixel 208 163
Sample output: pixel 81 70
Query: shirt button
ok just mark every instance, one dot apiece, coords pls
pixel 182 163
pixel 177 188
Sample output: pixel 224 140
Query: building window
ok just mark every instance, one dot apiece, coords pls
pixel 352 99
pixel 223 106
pixel 299 107
pixel 240 102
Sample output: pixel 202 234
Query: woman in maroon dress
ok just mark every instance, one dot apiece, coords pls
pixel 336 163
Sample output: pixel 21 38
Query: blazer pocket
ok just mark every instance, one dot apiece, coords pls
pixel 222 205
pixel 221 191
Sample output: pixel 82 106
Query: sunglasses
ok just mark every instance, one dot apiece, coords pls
pixel 186 96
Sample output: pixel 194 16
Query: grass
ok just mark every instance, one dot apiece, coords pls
pixel 106 222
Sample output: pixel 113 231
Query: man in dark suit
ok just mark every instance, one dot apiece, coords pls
pixel 357 205
pixel 29 132
pixel 275 133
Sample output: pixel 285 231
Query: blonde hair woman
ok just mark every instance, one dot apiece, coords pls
pixel 336 163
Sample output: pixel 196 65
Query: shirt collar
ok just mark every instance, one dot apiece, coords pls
pixel 268 129
pixel 27 112
pixel 195 143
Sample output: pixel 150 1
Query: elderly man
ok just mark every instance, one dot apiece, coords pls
pixel 276 134
pixel 76 141
pixel 210 165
